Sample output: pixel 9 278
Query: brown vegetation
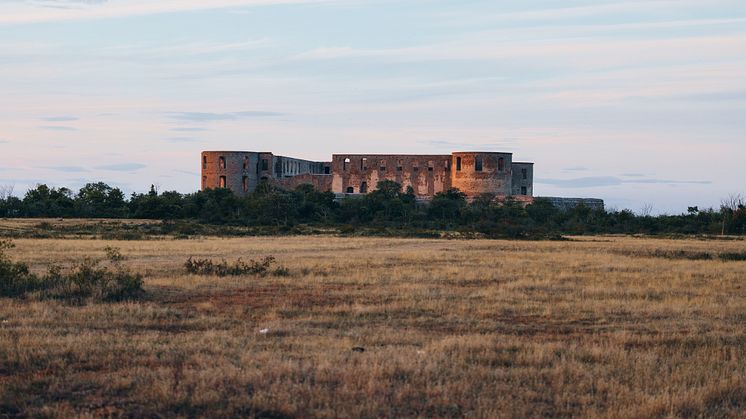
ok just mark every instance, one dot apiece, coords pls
pixel 594 327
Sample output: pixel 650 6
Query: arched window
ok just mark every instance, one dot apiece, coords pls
pixel 204 162
pixel 223 181
pixel 477 164
pixel 501 164
pixel 458 164
pixel 364 187
pixel 345 163
pixel 350 189
pixel 221 162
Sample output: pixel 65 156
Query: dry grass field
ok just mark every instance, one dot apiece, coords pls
pixel 594 327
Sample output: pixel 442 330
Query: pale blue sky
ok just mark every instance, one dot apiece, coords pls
pixel 636 102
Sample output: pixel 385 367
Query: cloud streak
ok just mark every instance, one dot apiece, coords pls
pixel 122 167
pixel 59 118
pixel 47 11
pixel 57 128
pixel 215 117
pixel 607 181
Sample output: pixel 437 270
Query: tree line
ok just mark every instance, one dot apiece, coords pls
pixel 388 206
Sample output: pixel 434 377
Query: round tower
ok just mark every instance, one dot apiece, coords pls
pixel 477 173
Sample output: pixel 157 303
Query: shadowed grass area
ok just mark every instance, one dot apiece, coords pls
pixel 590 327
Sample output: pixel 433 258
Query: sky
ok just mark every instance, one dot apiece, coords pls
pixel 640 103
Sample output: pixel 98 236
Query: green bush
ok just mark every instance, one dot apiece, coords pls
pixel 85 281
pixel 15 278
pixel 223 268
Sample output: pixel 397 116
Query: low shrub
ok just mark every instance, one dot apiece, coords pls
pixel 261 267
pixel 15 278
pixel 85 281
pixel 735 257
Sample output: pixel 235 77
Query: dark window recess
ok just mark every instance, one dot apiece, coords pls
pixel 447 164
pixel 221 162
pixel 458 164
pixel 327 170
pixel 345 163
pixel 524 190
pixel 245 163
pixel 265 164
pixel 223 181
pixel 245 183
pixel 278 168
pixel 501 164
pixel 364 164
pixel 350 190
pixel 524 172
pixel 415 168
pixel 364 187
pixel 204 162
pixel 477 164
pixel 398 168
pixel 382 168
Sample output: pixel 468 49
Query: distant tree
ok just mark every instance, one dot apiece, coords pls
pixel 44 201
pixel 100 200
pixel 447 206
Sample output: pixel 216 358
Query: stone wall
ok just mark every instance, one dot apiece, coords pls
pixel 360 173
pixel 482 173
pixel 322 183
pixel 570 203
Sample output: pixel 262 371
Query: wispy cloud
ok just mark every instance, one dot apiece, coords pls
pixel 213 117
pixel 67 169
pixel 606 181
pixel 59 118
pixel 54 10
pixel 122 167
pixel 464 146
pixel 189 129
pixel 186 172
pixel 182 140
pixel 57 128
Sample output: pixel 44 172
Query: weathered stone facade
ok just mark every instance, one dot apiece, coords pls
pixel 474 173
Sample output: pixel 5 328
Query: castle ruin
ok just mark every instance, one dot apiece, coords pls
pixel 474 173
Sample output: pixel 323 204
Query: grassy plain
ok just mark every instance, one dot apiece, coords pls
pixel 593 327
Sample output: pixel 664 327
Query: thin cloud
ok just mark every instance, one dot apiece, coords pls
pixel 182 140
pixel 214 117
pixel 46 11
pixel 122 167
pixel 186 172
pixel 189 129
pixel 459 146
pixel 606 181
pixel 59 118
pixel 57 128
pixel 67 169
